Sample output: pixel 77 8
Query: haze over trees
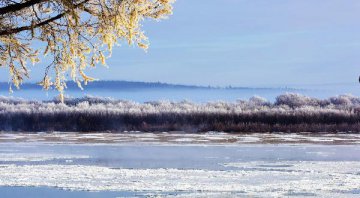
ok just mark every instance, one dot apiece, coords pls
pixel 76 34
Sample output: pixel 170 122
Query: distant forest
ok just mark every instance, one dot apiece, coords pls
pixel 288 113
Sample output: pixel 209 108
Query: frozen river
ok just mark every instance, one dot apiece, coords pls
pixel 179 165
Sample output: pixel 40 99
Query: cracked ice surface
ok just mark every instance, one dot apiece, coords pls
pixel 249 178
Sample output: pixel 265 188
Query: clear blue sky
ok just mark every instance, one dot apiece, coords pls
pixel 246 43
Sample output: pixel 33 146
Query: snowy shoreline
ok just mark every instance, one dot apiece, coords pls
pixel 180 138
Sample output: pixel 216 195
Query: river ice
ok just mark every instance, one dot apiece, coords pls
pixel 166 168
pixel 255 178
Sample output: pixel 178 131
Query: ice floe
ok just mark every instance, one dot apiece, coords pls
pixel 250 178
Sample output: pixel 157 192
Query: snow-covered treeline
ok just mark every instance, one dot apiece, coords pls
pixel 290 112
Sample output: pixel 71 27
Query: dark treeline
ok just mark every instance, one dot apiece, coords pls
pixel 289 113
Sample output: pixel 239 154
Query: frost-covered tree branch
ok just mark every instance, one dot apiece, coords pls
pixel 76 34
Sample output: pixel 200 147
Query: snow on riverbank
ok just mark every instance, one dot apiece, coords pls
pixel 182 138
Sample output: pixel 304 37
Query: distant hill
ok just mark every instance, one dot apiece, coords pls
pixel 132 85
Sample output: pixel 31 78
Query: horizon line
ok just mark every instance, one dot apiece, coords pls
pixel 178 85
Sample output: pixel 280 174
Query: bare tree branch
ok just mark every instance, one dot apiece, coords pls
pixel 19 6
pixel 23 28
pixel 45 22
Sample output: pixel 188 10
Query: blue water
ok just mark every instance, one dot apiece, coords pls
pixel 184 157
pixel 45 192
